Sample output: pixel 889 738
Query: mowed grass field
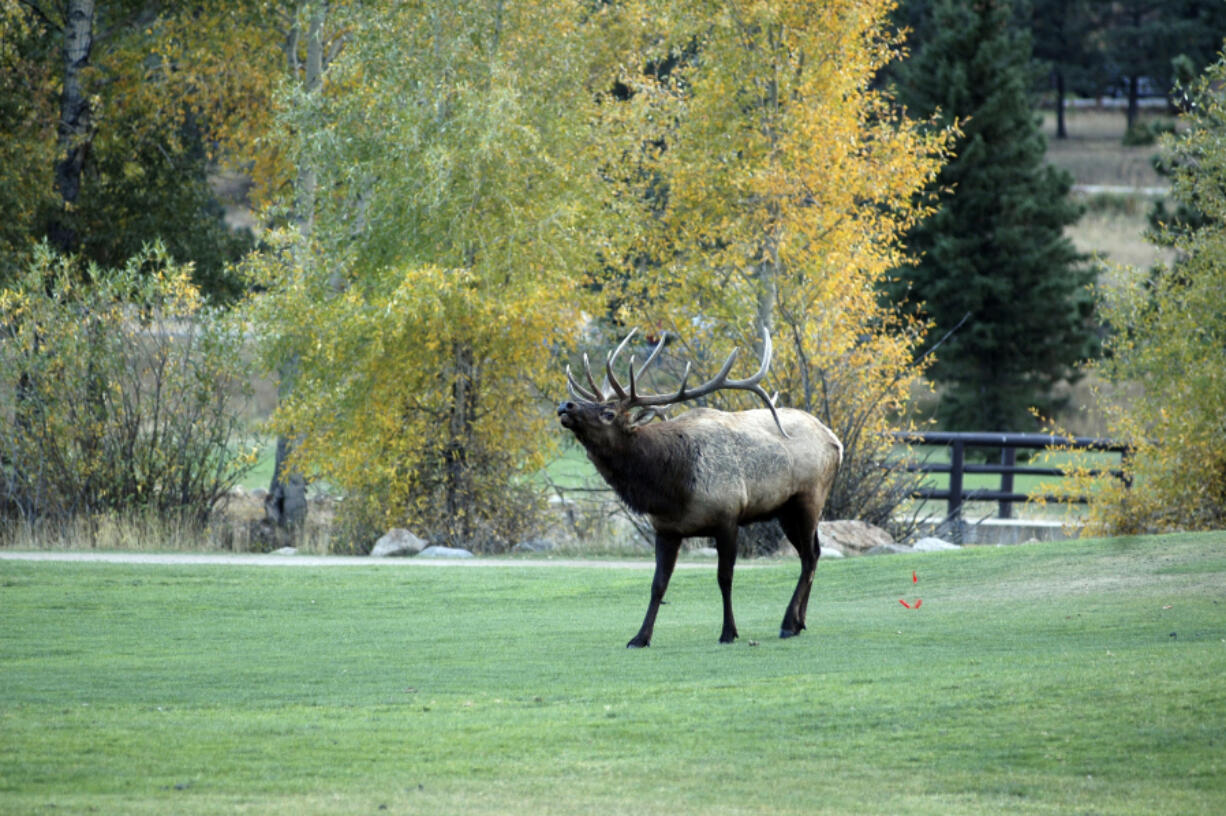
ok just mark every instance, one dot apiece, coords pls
pixel 1071 677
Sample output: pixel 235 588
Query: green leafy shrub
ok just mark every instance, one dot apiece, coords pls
pixel 118 391
pixel 1148 132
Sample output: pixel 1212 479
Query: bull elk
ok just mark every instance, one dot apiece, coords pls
pixel 707 472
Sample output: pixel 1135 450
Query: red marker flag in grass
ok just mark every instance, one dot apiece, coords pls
pixel 918 601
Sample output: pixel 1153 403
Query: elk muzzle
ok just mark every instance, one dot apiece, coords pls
pixel 566 414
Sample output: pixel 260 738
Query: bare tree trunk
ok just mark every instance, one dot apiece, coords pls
pixel 1061 129
pixel 1134 107
pixel 304 205
pixel 768 293
pixel 767 273
pixel 74 125
pixel 457 485
pixel 73 136
pixel 286 504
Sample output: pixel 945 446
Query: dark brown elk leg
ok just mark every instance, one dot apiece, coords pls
pixel 799 522
pixel 725 545
pixel 804 603
pixel 667 546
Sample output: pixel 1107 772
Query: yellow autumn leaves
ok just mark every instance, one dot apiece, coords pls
pixel 495 175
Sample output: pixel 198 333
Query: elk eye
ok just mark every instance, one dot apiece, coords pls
pixel 607 415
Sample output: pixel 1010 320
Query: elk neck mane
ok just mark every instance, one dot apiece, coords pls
pixel 652 471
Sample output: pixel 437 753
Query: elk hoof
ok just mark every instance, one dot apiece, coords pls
pixel 787 633
pixel 638 644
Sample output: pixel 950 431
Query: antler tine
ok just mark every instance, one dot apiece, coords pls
pixel 608 365
pixel 767 349
pixel 752 382
pixel 770 403
pixel 655 352
pixel 597 392
pixel 578 390
pixel 680 396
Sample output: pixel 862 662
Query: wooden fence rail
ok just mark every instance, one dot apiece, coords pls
pixel 1008 443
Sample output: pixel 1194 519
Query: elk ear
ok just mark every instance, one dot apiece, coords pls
pixel 647 415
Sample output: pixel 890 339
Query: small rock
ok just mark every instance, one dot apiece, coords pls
pixel 397 542
pixel 286 551
pixel 832 552
pixel 435 551
pixel 888 549
pixel 259 494
pixel 933 544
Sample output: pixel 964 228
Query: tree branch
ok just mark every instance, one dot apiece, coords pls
pixel 34 7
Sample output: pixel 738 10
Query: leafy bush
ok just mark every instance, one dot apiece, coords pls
pixel 1148 132
pixel 119 391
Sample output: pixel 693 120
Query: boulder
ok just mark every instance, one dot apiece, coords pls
pixel 933 544
pixel 888 549
pixel 286 551
pixel 832 552
pixel 534 545
pixel 435 551
pixel 397 542
pixel 852 537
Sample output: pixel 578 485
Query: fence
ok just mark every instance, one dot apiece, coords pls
pixel 1008 443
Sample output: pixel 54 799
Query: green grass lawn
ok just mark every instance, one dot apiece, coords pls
pixel 1071 677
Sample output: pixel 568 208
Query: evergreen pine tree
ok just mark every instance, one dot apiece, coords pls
pixel 995 252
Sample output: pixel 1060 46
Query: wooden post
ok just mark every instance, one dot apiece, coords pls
pixel 957 460
pixel 1008 458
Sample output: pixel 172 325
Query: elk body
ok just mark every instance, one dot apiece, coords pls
pixel 708 472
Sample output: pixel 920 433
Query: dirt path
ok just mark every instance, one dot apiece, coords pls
pixel 273 560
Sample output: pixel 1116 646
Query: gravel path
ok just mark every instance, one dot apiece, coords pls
pixel 273 560
pixel 1116 189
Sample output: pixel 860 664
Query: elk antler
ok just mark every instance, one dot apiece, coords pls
pixel 596 394
pixel 718 383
